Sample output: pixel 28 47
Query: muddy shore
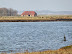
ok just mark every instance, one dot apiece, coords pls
pixel 35 20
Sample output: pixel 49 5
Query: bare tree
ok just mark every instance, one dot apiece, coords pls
pixel 7 12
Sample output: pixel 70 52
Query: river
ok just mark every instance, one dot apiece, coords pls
pixel 34 36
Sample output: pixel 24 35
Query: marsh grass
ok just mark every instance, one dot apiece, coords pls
pixel 67 47
pixel 40 17
pixel 63 50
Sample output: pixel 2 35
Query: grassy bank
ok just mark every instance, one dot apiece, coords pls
pixel 38 18
pixel 63 50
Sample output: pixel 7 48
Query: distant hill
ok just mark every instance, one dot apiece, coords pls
pixel 48 12
pixel 64 12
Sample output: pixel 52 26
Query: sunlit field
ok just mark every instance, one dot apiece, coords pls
pixel 40 17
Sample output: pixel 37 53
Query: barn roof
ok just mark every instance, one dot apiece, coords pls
pixel 28 13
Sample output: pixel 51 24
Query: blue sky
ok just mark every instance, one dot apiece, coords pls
pixel 53 5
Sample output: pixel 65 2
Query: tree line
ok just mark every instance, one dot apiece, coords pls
pixel 8 12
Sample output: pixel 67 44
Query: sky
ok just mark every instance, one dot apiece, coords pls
pixel 52 5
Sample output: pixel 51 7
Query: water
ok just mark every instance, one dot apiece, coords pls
pixel 34 36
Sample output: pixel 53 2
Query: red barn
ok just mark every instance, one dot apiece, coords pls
pixel 29 13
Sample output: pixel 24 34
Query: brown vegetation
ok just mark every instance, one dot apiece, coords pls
pixel 36 19
pixel 63 50
pixel 8 12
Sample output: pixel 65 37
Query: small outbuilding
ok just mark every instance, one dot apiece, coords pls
pixel 29 13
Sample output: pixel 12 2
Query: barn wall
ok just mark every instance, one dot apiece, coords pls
pixel 21 15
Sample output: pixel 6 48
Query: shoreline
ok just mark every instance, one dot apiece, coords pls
pixel 63 50
pixel 35 20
